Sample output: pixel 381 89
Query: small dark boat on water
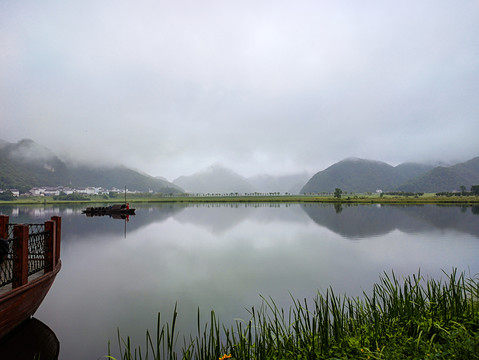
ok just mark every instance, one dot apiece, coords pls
pixel 119 209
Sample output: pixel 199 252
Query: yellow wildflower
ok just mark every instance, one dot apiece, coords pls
pixel 224 357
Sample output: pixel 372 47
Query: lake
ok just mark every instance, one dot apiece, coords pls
pixel 225 257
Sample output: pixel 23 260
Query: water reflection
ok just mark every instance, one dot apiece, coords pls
pixel 223 257
pixel 352 221
pixel 361 221
pixel 31 340
pixel 221 218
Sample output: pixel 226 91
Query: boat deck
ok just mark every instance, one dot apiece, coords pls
pixel 6 288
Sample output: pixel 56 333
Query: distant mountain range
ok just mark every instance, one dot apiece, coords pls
pixel 283 183
pixel 26 164
pixel 360 175
pixel 215 179
pixel 443 178
pixel 219 179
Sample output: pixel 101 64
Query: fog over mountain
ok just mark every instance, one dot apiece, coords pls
pixel 27 164
pixel 215 179
pixel 446 178
pixel 27 150
pixel 170 87
pixel 283 184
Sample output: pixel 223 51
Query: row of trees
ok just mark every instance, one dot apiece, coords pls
pixel 402 193
pixel 7 196
pixel 338 192
pixel 474 192
pixel 70 197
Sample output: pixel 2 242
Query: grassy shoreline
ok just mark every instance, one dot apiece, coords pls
pixel 351 199
pixel 411 318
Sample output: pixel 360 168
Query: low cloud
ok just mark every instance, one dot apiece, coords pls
pixel 170 88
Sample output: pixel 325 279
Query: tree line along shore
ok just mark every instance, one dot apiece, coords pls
pixel 428 198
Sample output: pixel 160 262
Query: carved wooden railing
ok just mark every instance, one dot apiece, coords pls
pixel 27 249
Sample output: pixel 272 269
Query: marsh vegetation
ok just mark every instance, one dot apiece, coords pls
pixel 409 318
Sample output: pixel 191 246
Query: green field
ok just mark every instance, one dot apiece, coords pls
pixel 260 198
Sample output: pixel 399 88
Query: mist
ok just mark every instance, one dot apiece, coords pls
pixel 262 87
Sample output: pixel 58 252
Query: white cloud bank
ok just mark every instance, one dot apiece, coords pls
pixel 261 86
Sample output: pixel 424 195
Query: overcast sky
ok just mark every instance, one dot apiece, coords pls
pixel 170 87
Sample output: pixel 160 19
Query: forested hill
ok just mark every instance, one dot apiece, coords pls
pixel 359 175
pixel 26 164
pixel 445 179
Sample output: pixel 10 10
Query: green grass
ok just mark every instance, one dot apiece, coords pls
pixel 412 318
pixel 356 199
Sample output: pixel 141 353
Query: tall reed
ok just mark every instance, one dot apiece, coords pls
pixel 409 318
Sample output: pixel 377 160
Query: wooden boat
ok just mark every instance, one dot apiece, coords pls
pixel 28 270
pixel 119 209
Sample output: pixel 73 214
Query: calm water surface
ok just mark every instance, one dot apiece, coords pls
pixel 225 257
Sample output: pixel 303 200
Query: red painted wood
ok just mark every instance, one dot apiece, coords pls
pixel 58 224
pixel 23 300
pixel 20 303
pixel 20 251
pixel 3 226
pixel 50 255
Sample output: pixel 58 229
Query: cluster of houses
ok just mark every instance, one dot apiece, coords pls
pixel 55 191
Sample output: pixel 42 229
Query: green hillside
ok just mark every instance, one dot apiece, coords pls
pixel 27 164
pixel 119 177
pixel 407 171
pixel 358 175
pixel 354 175
pixel 446 179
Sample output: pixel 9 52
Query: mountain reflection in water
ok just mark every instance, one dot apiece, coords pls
pixel 224 257
pixel 352 221
pixel 359 221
